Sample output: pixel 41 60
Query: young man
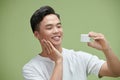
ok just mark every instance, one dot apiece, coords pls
pixel 57 63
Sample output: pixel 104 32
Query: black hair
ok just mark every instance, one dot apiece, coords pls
pixel 38 16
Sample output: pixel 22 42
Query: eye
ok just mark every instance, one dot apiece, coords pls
pixel 59 26
pixel 49 27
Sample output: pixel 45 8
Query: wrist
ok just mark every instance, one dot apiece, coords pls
pixel 58 61
pixel 106 50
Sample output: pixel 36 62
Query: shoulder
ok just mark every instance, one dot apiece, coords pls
pixel 30 64
pixel 38 62
pixel 34 69
pixel 35 63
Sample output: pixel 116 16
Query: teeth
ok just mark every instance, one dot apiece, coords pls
pixel 56 38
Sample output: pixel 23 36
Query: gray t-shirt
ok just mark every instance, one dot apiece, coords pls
pixel 76 66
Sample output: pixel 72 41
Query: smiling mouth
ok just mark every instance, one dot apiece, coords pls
pixel 56 38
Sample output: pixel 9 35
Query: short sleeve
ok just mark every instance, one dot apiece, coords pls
pixel 90 63
pixel 94 65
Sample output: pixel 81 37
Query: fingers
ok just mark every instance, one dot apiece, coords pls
pixel 99 41
pixel 96 36
pixel 47 46
pixel 50 50
pixel 94 45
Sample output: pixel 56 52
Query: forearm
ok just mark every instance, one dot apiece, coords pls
pixel 113 62
pixel 58 71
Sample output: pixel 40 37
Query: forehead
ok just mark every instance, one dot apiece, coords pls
pixel 50 19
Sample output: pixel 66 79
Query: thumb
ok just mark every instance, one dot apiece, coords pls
pixel 94 45
pixel 91 44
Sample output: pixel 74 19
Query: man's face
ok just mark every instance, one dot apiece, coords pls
pixel 50 29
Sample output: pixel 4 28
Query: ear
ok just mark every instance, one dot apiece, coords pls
pixel 36 34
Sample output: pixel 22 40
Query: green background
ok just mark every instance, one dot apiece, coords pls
pixel 18 44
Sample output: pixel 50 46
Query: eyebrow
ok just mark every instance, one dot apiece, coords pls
pixel 59 23
pixel 52 24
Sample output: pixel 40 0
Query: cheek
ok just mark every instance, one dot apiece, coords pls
pixel 44 35
pixel 61 31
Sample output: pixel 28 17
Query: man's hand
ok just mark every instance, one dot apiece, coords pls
pixel 99 42
pixel 51 51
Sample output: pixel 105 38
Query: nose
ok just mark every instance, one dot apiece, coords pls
pixel 55 30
